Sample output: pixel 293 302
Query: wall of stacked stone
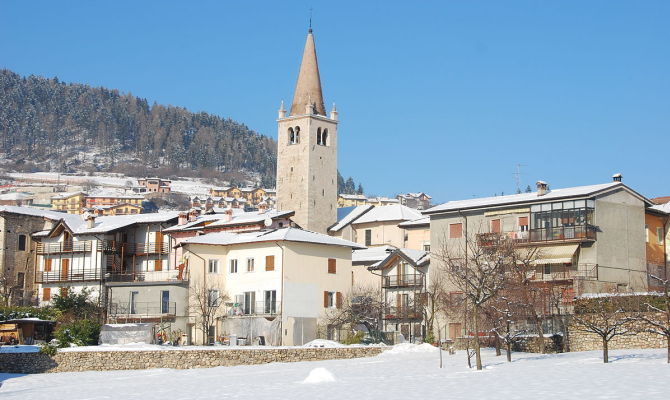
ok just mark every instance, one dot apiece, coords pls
pixel 73 361
pixel 552 344
pixel 585 341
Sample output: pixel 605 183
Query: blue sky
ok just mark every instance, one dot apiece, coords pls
pixel 445 97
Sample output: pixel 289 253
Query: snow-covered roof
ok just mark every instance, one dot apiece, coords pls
pixel 577 191
pixel 393 212
pixel 15 196
pixel 414 195
pixel 418 258
pixel 239 217
pixel 423 221
pixel 273 235
pixel 663 208
pixel 67 195
pixel 371 254
pixel 114 222
pixel 355 213
pixel 353 196
pixel 70 219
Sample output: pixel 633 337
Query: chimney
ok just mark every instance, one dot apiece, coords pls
pixel 183 218
pixel 192 215
pixel 262 207
pixel 617 177
pixel 542 188
pixel 228 214
pixel 90 221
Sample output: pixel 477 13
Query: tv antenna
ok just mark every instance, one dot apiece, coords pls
pixel 517 177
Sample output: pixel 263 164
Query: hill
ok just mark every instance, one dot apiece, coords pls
pixel 49 125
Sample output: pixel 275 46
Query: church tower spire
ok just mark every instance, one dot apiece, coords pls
pixel 307 151
pixel 308 87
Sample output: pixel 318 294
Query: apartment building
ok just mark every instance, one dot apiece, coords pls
pixel 375 226
pixel 280 283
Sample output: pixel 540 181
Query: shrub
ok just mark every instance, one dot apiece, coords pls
pixel 81 333
pixel 354 339
pixel 49 349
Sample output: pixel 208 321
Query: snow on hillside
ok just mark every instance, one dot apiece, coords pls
pixel 405 372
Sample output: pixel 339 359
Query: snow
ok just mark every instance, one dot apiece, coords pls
pixel 319 375
pixel 404 348
pixel 371 254
pixel 274 235
pixel 632 374
pixel 394 212
pixel 415 223
pixel 21 348
pixel 355 213
pixel 577 191
pixel 323 343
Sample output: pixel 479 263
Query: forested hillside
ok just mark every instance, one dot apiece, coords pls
pixel 50 125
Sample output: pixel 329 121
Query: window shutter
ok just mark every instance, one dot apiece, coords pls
pixel 523 221
pixel 338 300
pixel 332 266
pixel 158 265
pixel 269 263
pixel 63 292
pixel 47 265
pixel 325 299
pixel 455 231
pixel 495 226
pixel 46 294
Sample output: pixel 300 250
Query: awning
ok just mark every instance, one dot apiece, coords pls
pixel 555 254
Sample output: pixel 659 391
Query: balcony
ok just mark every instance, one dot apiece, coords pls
pixel 579 233
pixel 402 281
pixel 67 276
pixel 148 248
pixel 64 247
pixel 149 276
pixel 403 313
pixel 152 309
pixel 586 271
pixel 258 308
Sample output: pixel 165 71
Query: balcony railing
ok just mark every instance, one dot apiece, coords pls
pixel 148 276
pixel 107 246
pixel 142 309
pixel 57 276
pixel 397 281
pixel 561 233
pixel 403 313
pixel 256 308
pixel 582 271
pixel 65 247
pixel 146 248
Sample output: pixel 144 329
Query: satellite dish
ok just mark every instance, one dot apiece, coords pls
pixel 267 222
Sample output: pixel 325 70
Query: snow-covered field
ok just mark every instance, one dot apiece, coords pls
pixel 404 372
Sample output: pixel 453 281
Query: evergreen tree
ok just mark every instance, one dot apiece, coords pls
pixel 528 189
pixel 360 189
pixel 350 186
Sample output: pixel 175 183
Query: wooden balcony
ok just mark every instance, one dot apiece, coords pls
pixel 65 276
pixel 405 313
pixel 580 233
pixel 64 247
pixel 402 281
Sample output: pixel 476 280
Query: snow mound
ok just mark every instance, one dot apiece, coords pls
pixel 323 343
pixel 404 348
pixel 319 375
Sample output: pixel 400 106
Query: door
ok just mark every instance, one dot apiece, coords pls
pixel 165 302
pixel 455 330
pixel 64 269
pixel 270 302
pixel 133 302
pixel 159 242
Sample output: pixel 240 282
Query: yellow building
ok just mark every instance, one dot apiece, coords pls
pixel 71 203
pixel 351 200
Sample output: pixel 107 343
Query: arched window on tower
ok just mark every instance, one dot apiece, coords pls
pixel 291 136
pixel 318 136
pixel 324 137
pixel 297 135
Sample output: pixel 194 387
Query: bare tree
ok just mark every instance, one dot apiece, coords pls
pixel 433 301
pixel 206 303
pixel 659 322
pixel 506 310
pixel 361 306
pixel 477 268
pixel 607 316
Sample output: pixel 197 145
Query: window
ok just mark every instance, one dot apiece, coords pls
pixel 318 136
pixel 291 136
pixel 213 298
pixel 547 269
pixel 332 266
pixel 233 266
pixel 324 138
pixel 646 232
pixel 368 237
pixel 270 304
pixel 455 231
pixel 523 224
pixel 46 294
pixel 213 266
pixel 22 242
pixel 20 279
pixel 249 303
pixel 250 265
pixel 426 247
pixel 659 235
pixel 165 302
pixel 495 226
pixel 332 299
pixel 269 263
pixel 133 302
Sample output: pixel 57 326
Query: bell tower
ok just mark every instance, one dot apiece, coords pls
pixel 307 150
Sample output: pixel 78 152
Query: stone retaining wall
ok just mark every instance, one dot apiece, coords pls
pixel 585 341
pixel 72 361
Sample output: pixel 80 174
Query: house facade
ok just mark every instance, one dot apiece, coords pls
pixel 155 185
pixel 279 283
pixel 71 203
